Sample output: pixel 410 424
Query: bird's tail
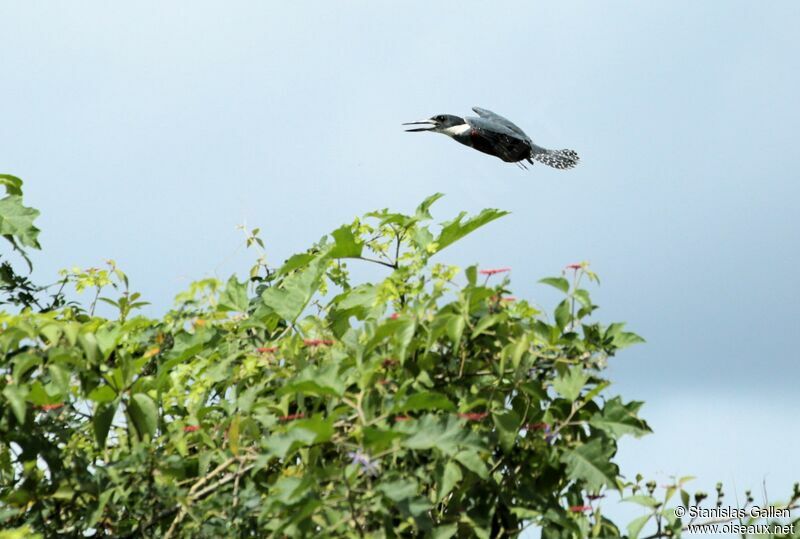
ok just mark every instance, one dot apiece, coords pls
pixel 557 158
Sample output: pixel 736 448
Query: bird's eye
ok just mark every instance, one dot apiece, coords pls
pixel 439 118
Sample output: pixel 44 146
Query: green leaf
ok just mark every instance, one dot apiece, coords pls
pixel 619 419
pixel 454 230
pixel 556 282
pixel 234 297
pixel 450 478
pixel 423 210
pixel 508 424
pixel 144 414
pixel 563 314
pixel 346 244
pixel 60 377
pixel 472 461
pixel 12 184
pixel 284 444
pixel 324 380
pixel 16 395
pixel 591 464
pixel 290 298
pixel 101 422
pixel 636 525
pixel 16 222
pixel 485 323
pixel 444 434
pixel 472 275
pixel 233 435
pixel 445 531
pixel 425 400
pixel 296 262
pixel 583 296
pixel 399 490
pixel 627 338
pixel 569 385
pixel 102 394
pixel 644 501
pixel 107 336
pixel 515 350
pixel 290 490
pixel 321 427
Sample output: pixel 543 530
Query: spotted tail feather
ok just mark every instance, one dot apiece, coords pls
pixel 562 159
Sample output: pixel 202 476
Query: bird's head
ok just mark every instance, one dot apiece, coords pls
pixel 436 124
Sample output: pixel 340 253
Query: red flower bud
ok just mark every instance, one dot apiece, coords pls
pixel 580 508
pixel 191 428
pixel 494 271
pixel 537 426
pixel 474 416
pixel 267 349
pixel 317 342
pixel 403 418
pixel 292 417
pixel 48 407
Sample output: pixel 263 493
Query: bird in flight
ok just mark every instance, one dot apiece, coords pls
pixel 491 133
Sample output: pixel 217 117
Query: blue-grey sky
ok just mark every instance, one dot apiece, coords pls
pixel 146 132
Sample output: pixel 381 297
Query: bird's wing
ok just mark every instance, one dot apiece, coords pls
pixel 500 139
pixel 496 118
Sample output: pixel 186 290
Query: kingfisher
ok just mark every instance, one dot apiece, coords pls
pixel 491 133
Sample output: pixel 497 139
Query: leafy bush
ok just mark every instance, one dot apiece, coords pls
pixel 301 403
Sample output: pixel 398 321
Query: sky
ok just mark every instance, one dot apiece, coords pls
pixel 147 132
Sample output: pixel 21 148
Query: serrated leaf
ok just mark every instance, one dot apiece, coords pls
pixel 313 380
pixel 234 297
pixel 290 297
pixel 444 434
pixel 591 464
pixel 346 244
pixel 423 210
pixel 16 221
pixel 619 419
pixel 569 385
pixel 12 184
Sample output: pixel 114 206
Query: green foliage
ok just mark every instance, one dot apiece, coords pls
pixel 16 226
pixel 301 403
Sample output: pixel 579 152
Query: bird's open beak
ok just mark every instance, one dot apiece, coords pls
pixel 430 125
